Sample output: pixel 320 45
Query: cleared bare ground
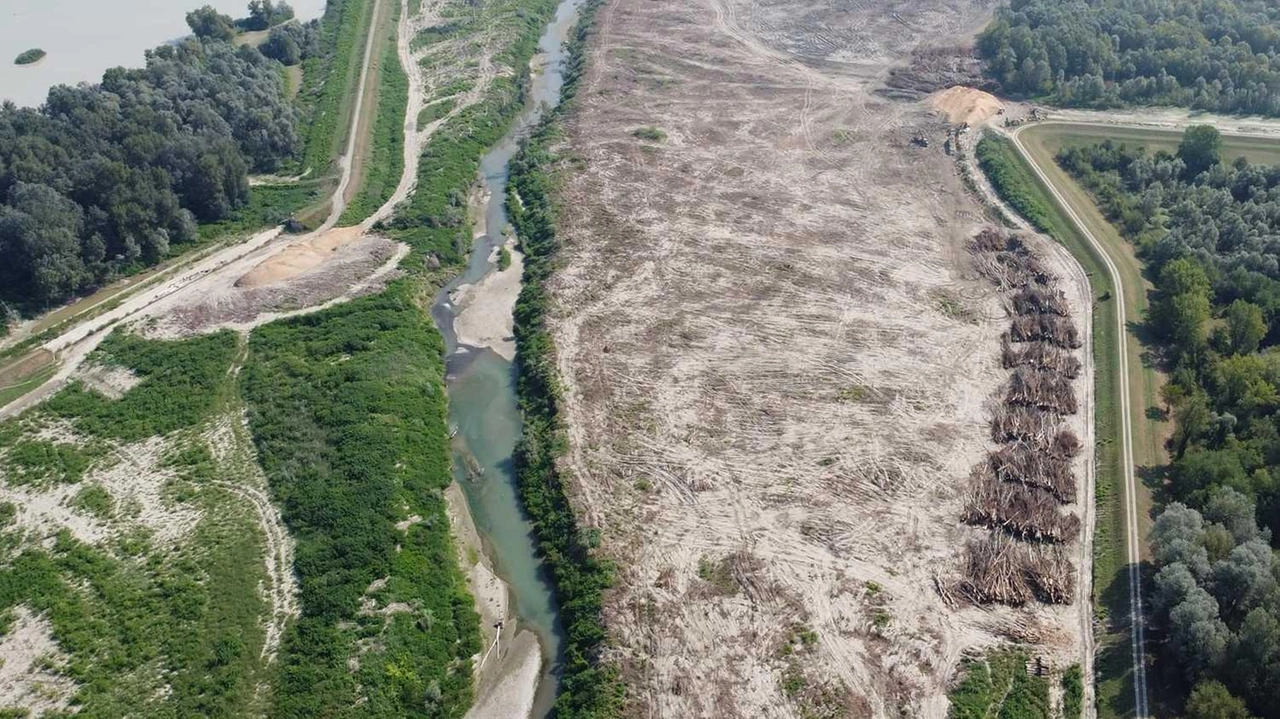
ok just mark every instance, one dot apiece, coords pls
pixel 779 366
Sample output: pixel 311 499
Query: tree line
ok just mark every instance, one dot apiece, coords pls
pixel 103 179
pixel 1207 230
pixel 289 41
pixel 1218 55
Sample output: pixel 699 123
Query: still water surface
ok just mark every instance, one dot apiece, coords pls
pixel 85 37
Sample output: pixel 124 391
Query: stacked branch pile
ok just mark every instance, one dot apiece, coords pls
pixel 1019 490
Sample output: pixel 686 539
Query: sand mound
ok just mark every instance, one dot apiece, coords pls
pixel 299 257
pixel 964 104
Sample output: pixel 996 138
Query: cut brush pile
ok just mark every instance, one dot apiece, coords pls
pixel 1019 491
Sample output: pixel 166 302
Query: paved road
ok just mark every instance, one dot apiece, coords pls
pixel 1133 539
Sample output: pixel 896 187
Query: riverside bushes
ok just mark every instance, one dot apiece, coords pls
pixel 589 687
pixel 180 383
pixel 348 412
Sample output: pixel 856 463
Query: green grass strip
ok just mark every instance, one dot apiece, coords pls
pixel 383 167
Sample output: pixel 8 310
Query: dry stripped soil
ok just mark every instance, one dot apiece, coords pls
pixel 778 364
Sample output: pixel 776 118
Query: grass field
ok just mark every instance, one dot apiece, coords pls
pixel 1114 680
pixel 13 391
pixel 328 95
pixel 1053 136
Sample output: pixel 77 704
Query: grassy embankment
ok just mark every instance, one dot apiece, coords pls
pixel 590 687
pixel 381 149
pixel 347 407
pixel 327 99
pixel 1018 186
pixel 1043 142
pixel 143 626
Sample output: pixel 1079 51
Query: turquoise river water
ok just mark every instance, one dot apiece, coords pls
pixel 482 390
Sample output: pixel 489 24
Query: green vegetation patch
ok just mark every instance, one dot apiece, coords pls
pixel 28 57
pixel 269 205
pixel 652 134
pixel 1072 692
pixel 348 411
pixel 31 461
pixel 385 163
pixel 718 574
pixel 1016 185
pixel 180 383
pixel 95 500
pixel 435 111
pixel 999 685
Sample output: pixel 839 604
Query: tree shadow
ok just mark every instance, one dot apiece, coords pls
pixel 1156 480
pixel 1113 664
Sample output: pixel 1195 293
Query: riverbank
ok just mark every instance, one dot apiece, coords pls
pixel 475 314
pixel 507 668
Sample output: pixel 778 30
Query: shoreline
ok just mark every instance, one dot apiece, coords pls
pixel 507 671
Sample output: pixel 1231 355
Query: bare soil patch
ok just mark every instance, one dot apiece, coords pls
pixel 779 365
pixel 29 676
pixel 110 381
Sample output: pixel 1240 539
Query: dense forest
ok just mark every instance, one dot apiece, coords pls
pixel 103 179
pixel 1207 231
pixel 1218 55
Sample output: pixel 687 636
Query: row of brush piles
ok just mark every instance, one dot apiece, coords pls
pixel 1019 490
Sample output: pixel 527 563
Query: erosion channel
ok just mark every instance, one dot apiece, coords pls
pixel 474 314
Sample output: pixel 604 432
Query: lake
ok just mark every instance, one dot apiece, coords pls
pixel 85 37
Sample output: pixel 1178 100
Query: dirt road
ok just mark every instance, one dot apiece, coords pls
pixel 1133 540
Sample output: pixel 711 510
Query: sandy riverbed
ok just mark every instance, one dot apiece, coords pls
pixel 484 309
pixel 509 666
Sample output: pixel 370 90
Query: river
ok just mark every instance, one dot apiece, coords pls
pixel 83 38
pixel 482 389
